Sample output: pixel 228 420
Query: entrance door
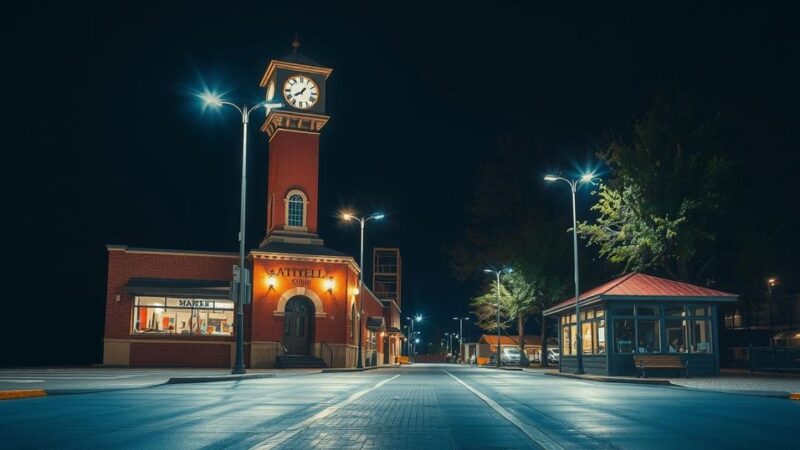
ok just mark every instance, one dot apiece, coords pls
pixel 298 325
pixel 386 350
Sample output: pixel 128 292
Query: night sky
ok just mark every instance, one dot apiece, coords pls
pixel 104 142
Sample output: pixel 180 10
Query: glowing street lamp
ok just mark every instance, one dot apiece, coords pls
pixel 573 184
pixel 497 273
pixel 460 333
pixel 215 100
pixel 417 318
pixel 363 221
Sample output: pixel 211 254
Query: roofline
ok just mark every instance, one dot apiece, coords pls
pixel 278 64
pixel 372 294
pixel 303 257
pixel 634 298
pixel 161 251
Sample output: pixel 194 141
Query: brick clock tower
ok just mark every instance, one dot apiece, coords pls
pixel 293 130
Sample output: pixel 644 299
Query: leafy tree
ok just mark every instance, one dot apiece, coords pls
pixel 520 298
pixel 510 225
pixel 668 189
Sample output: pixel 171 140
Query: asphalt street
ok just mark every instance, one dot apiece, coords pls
pixel 421 406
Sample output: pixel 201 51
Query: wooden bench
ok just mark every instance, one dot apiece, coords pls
pixel 645 362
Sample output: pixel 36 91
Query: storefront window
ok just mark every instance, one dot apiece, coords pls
pixel 601 336
pixel 566 341
pixel 701 336
pixel 675 311
pixel 623 335
pixel 623 310
pixel 646 310
pixel 587 341
pixel 183 316
pixel 649 340
pixel 677 335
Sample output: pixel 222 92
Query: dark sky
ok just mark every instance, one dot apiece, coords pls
pixel 104 142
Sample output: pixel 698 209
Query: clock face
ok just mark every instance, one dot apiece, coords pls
pixel 300 91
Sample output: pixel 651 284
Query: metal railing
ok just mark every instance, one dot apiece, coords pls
pixel 774 359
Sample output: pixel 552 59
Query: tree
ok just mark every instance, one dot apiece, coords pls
pixel 520 298
pixel 668 189
pixel 511 224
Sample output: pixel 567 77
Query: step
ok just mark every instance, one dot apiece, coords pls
pixel 300 362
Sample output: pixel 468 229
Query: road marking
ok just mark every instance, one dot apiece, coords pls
pixel 533 433
pixel 283 436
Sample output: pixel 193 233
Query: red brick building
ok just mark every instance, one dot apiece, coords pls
pixel 173 308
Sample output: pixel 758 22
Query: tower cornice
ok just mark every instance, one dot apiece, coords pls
pixel 276 64
pixel 293 121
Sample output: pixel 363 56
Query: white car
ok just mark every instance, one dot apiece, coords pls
pixel 553 355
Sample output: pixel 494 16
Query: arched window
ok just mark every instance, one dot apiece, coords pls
pixel 296 209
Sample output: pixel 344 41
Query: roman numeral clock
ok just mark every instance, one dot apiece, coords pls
pixel 299 83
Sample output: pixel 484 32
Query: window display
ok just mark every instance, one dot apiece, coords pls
pixel 183 316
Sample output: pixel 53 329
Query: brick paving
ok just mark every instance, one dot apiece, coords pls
pixel 743 383
pixel 417 410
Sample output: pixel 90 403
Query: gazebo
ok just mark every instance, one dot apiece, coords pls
pixel 638 314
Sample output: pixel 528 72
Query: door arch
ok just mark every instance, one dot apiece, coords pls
pixel 298 325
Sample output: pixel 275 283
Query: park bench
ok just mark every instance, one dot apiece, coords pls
pixel 645 362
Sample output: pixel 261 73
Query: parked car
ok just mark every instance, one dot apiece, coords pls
pixel 553 355
pixel 508 356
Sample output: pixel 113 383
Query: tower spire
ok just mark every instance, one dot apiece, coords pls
pixel 295 43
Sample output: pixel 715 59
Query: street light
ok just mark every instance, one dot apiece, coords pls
pixel 217 101
pixel 771 282
pixel 573 184
pixel 497 273
pixel 460 333
pixel 417 318
pixel 363 221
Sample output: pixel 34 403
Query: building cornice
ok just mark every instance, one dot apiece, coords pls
pixel 159 251
pixel 294 121
pixel 258 254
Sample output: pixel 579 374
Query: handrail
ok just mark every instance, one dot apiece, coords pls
pixel 330 350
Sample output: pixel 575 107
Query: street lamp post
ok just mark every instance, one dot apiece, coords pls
pixel 771 282
pixel 573 184
pixel 497 273
pixel 460 333
pixel 244 110
pixel 363 221
pixel 417 318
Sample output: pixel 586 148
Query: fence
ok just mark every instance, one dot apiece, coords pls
pixel 774 359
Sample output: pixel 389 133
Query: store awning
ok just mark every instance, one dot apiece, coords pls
pixel 376 323
pixel 180 288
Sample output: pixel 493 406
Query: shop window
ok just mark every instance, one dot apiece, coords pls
pixel 296 209
pixel 675 311
pixel 566 341
pixel 701 336
pixel 677 335
pixel 623 310
pixel 702 311
pixel 648 336
pixel 646 310
pixel 587 341
pixel 623 335
pixel 600 333
pixel 182 316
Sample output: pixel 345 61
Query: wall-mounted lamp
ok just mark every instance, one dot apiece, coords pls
pixel 271 280
pixel 356 291
pixel 329 284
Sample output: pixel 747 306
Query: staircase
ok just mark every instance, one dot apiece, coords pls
pixel 300 362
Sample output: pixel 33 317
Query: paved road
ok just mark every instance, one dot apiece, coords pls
pixel 411 407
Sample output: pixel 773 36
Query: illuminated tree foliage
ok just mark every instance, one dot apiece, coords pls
pixel 667 193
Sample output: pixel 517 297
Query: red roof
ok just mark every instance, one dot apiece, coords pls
pixel 640 285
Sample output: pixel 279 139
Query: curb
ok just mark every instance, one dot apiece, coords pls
pixel 610 379
pixel 347 369
pixel 22 393
pixel 212 379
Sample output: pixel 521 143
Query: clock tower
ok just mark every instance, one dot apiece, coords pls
pixel 293 130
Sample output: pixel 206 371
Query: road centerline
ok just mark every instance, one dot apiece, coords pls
pixel 533 433
pixel 283 436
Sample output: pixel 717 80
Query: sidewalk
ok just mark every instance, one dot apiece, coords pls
pixel 36 382
pixel 732 382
